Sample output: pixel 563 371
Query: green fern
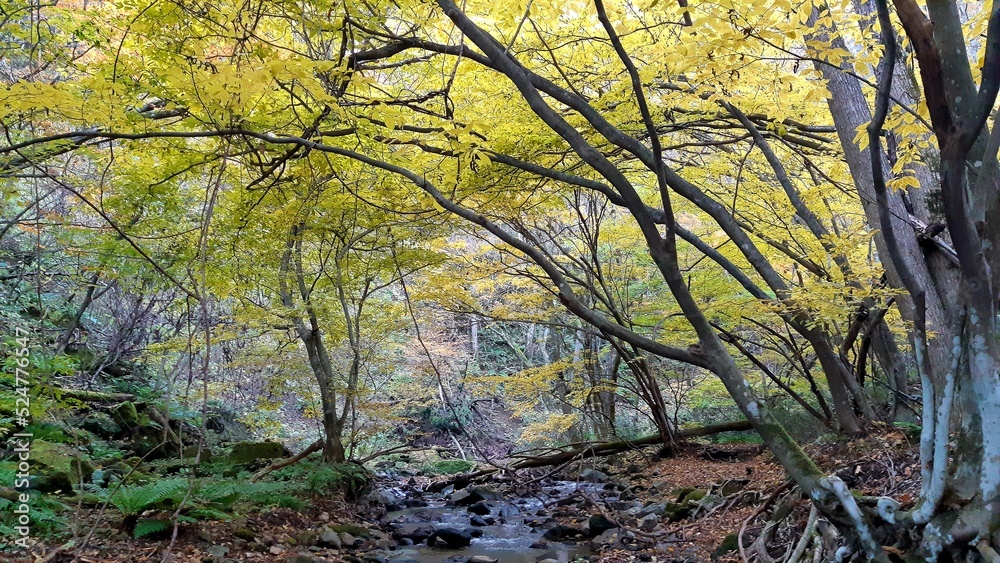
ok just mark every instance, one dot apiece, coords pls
pixel 150 526
pixel 133 500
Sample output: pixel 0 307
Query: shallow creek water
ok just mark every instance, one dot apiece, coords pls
pixel 509 540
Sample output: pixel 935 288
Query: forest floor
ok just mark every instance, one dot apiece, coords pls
pixel 741 485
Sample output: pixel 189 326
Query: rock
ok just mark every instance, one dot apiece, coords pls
pixel 100 424
pixel 245 453
pixel 386 498
pixel 540 544
pixel 562 532
pixel 682 492
pixel 329 538
pixel 485 493
pixel 126 415
pixel 462 498
pixel 733 486
pixel 600 524
pixel 404 556
pixel 307 537
pixel 190 452
pixel 204 535
pixel 481 559
pixel 508 511
pixel 649 523
pixel 415 535
pixel 593 476
pixel 450 538
pixel 658 509
pixel 276 550
pixel 218 552
pixel 477 521
pixel 608 537
pixel 633 469
pixel 728 545
pixel 347 540
pixel 693 497
pixel 301 558
pixel 324 516
pixel 480 508
pixel 678 512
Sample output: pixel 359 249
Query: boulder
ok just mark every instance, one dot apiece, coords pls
pixel 100 424
pixel 485 493
pixel 648 524
pixel 126 415
pixel 728 545
pixel 246 453
pixel 477 521
pixel 593 476
pixel 659 509
pixel 480 508
pixel 450 538
pixel 329 538
pixel 693 496
pixel 508 511
pixel 600 524
pixel 608 537
pixel 415 535
pixel 561 532
pixel 347 540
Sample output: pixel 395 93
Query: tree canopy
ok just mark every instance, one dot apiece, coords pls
pixel 586 203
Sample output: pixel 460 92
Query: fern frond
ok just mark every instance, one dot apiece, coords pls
pixel 151 526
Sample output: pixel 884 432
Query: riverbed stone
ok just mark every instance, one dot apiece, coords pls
pixel 485 493
pixel 599 524
pixel 593 476
pixel 561 532
pixel 480 508
pixel 657 508
pixel 649 522
pixel 347 540
pixel 481 559
pixel 508 511
pixel 451 538
pixel 329 538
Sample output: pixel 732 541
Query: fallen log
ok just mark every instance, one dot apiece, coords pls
pixel 594 450
pixel 313 447
pixel 611 448
pixel 89 396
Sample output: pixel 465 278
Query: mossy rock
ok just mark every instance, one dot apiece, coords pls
pixel 452 466
pixel 677 512
pixel 729 545
pixel 126 415
pixel 60 462
pixel 693 496
pixel 245 453
pixel 101 424
pixel 52 482
pixel 48 432
pixel 682 492
pixel 191 452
